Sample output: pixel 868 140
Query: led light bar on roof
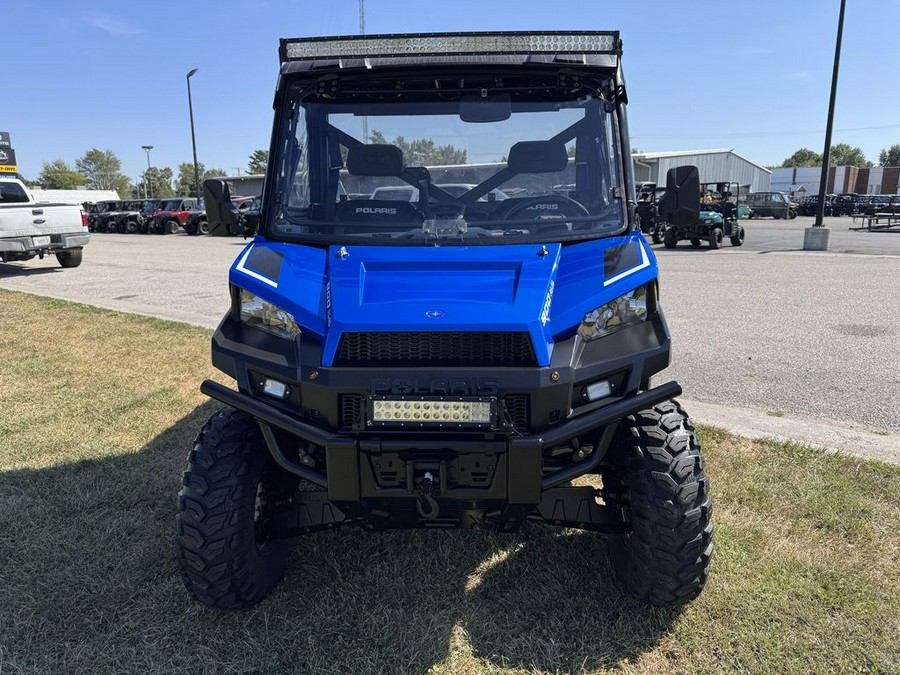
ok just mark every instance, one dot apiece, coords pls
pixel 447 44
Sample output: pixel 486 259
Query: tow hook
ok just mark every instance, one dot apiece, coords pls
pixel 426 505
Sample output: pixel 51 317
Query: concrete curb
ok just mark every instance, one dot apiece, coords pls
pixel 823 434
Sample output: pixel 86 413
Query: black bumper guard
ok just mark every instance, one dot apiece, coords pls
pixel 607 416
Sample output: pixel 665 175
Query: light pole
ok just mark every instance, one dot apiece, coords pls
pixel 190 74
pixel 147 149
pixel 816 237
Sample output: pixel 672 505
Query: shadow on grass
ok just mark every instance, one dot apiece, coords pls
pixel 89 582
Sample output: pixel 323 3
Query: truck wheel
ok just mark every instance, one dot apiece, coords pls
pixel 172 227
pixel 226 555
pixel 695 242
pixel 792 215
pixel 204 227
pixel 669 239
pixel 664 558
pixel 658 234
pixel 715 238
pixel 159 228
pixel 131 227
pixel 69 258
pixel 738 239
pixel 191 229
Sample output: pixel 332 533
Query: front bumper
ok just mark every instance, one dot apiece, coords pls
pixel 57 242
pixel 373 467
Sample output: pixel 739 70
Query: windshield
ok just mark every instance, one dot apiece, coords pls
pixel 535 164
pixel 171 205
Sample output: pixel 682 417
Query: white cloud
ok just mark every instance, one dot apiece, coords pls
pixel 113 25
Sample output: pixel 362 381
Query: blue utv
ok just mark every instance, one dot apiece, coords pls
pixel 446 358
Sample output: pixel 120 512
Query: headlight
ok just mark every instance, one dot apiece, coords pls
pixel 258 312
pixel 626 310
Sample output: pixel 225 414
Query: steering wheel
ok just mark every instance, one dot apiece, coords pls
pixel 549 211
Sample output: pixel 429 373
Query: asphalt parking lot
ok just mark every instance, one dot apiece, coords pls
pixel 766 328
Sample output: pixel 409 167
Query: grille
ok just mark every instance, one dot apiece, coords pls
pixel 517 410
pixel 351 407
pixel 436 349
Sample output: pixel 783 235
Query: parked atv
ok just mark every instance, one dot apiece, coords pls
pixel 448 362
pixel 106 220
pixel 719 218
pixel 148 215
pixel 648 197
pixel 173 214
pixel 196 222
pixel 127 218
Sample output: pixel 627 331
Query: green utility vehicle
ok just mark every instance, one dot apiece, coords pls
pixel 719 218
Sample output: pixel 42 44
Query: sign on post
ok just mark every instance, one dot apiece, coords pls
pixel 8 161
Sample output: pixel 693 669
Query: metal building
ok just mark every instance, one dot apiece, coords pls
pixel 719 165
pixel 841 179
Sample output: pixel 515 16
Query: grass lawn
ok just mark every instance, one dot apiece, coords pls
pixel 98 413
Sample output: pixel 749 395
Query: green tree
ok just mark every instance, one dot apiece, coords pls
pixel 102 170
pixel 423 151
pixel 184 185
pixel 58 175
pixel 259 159
pixel 803 157
pixel 890 157
pixel 843 154
pixel 159 182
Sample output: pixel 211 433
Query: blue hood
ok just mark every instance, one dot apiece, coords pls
pixel 543 289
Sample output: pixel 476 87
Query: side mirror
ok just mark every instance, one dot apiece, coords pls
pixel 220 212
pixel 681 203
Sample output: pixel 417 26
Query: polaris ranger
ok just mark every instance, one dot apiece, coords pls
pixel 452 361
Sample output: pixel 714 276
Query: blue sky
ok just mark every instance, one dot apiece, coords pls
pixel 701 74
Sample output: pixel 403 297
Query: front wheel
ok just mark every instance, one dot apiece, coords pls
pixel 737 239
pixel 226 553
pixel 204 227
pixel 670 240
pixel 658 234
pixel 664 557
pixel 172 227
pixel 715 238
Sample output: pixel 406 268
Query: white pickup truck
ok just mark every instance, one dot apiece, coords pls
pixel 29 228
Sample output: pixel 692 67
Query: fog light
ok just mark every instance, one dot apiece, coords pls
pixel 276 388
pixel 597 390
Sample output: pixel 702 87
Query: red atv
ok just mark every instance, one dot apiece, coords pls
pixel 173 214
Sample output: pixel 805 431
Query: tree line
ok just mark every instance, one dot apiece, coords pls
pixel 102 170
pixel 842 154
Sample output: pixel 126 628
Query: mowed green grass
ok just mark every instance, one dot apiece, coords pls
pixel 97 414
